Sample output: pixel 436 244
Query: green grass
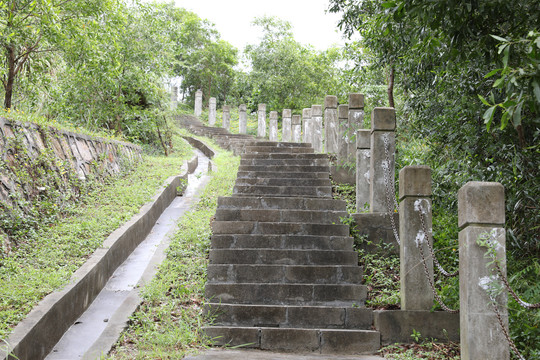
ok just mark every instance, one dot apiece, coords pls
pixel 45 260
pixel 168 323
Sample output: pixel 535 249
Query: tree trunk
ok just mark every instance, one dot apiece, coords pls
pixel 390 79
pixel 8 85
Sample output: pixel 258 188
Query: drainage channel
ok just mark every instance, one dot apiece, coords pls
pixel 97 329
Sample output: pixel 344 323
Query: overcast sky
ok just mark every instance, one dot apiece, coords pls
pixel 311 24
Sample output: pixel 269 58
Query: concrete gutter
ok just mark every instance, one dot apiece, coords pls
pixel 36 335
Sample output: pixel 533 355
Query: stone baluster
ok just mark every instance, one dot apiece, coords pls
pixel 415 200
pixel 308 126
pixel 226 117
pixel 273 127
pixel 382 163
pixel 363 155
pixel 296 128
pixel 317 125
pixel 342 145
pixel 330 124
pixel 198 103
pixel 261 128
pixel 242 119
pixel 212 103
pixel 481 215
pixel 355 121
pixel 286 126
pixel 174 97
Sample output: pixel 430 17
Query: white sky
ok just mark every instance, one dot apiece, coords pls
pixel 311 25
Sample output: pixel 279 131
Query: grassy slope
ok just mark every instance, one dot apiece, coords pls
pixel 46 260
pixel 168 323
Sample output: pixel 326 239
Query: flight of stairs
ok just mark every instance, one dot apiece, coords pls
pixel 283 275
pixel 226 140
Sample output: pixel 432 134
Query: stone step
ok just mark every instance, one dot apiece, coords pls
pixel 320 341
pixel 251 227
pixel 283 257
pixel 277 215
pixel 254 202
pixel 307 242
pixel 285 156
pixel 284 182
pixel 294 191
pixel 287 294
pixel 284 168
pixel 281 175
pixel 272 149
pixel 287 274
pixel 290 316
pixel 283 162
pixel 279 144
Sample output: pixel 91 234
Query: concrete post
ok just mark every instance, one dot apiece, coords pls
pixel 261 129
pixel 273 133
pixel 481 215
pixel 226 117
pixel 317 125
pixel 342 145
pixel 355 121
pixel 198 103
pixel 286 126
pixel 212 111
pixel 308 128
pixel 381 168
pixel 415 196
pixel 296 128
pixel 242 119
pixel 174 97
pixel 330 124
pixel 363 155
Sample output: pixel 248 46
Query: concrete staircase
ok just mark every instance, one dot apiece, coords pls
pixel 283 275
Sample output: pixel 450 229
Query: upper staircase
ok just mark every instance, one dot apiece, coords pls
pixel 283 274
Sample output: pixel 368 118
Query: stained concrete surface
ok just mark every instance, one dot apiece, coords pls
pixel 220 354
pixel 86 334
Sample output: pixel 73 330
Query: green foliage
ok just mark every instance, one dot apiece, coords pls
pixel 47 256
pixel 168 323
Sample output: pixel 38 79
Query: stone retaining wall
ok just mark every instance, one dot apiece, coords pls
pixel 22 144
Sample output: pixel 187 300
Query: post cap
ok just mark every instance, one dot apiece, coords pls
pixel 343 111
pixel 415 181
pixel 212 100
pixel 296 120
pixel 226 108
pixel 330 102
pixel 262 107
pixel 383 119
pixel 273 115
pixel 363 139
pixel 356 101
pixel 316 110
pixel 242 107
pixel 481 203
pixel 287 113
pixel 306 113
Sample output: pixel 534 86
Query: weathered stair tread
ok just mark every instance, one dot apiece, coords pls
pixel 283 257
pixel 279 215
pixel 287 294
pixel 284 182
pixel 281 175
pixel 269 149
pixel 290 316
pixel 258 202
pixel 252 227
pixel 297 340
pixel 284 162
pixel 294 274
pixel 281 241
pixel 284 168
pixel 298 190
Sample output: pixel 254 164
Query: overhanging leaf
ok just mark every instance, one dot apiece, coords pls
pixel 488 116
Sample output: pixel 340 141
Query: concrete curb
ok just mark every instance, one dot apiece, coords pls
pixel 36 335
pixel 205 149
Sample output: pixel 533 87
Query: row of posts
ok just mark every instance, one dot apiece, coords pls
pixel 337 126
pixel 481 215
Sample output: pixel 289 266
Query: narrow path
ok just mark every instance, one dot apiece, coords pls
pixel 98 328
